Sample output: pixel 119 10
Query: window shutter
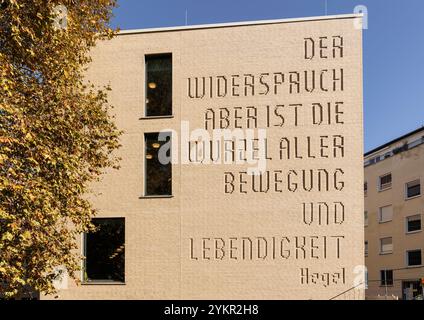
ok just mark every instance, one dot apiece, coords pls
pixel 386 213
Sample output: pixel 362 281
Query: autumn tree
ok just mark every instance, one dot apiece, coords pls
pixel 56 136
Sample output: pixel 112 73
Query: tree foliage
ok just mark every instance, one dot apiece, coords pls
pixel 56 137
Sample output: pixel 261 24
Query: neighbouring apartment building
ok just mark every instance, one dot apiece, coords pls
pixel 394 208
pixel 242 164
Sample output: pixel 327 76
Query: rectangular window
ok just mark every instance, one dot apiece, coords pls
pixel 366 218
pixel 365 188
pixel 413 257
pixel 386 277
pixel 385 182
pixel 158 166
pixel 386 245
pixel 104 251
pixel 386 213
pixel 413 223
pixel 158 85
pixel 366 248
pixel 413 189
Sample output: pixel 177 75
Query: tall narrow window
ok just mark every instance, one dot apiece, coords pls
pixel 158 85
pixel 365 188
pixel 158 166
pixel 413 189
pixel 366 218
pixel 366 248
pixel 105 251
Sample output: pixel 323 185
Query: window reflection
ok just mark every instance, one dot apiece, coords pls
pixel 158 176
pixel 158 85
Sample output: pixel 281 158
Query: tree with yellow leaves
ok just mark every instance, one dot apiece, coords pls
pixel 56 136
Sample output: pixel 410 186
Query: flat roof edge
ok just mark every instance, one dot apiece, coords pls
pixel 241 23
pixel 387 144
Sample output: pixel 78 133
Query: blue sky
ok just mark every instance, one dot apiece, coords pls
pixel 393 47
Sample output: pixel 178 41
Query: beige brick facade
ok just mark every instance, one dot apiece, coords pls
pixel 224 234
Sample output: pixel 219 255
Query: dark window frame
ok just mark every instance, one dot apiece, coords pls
pixel 409 221
pixel 86 279
pixel 408 188
pixel 151 57
pixel 408 257
pixel 168 188
pixel 386 277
